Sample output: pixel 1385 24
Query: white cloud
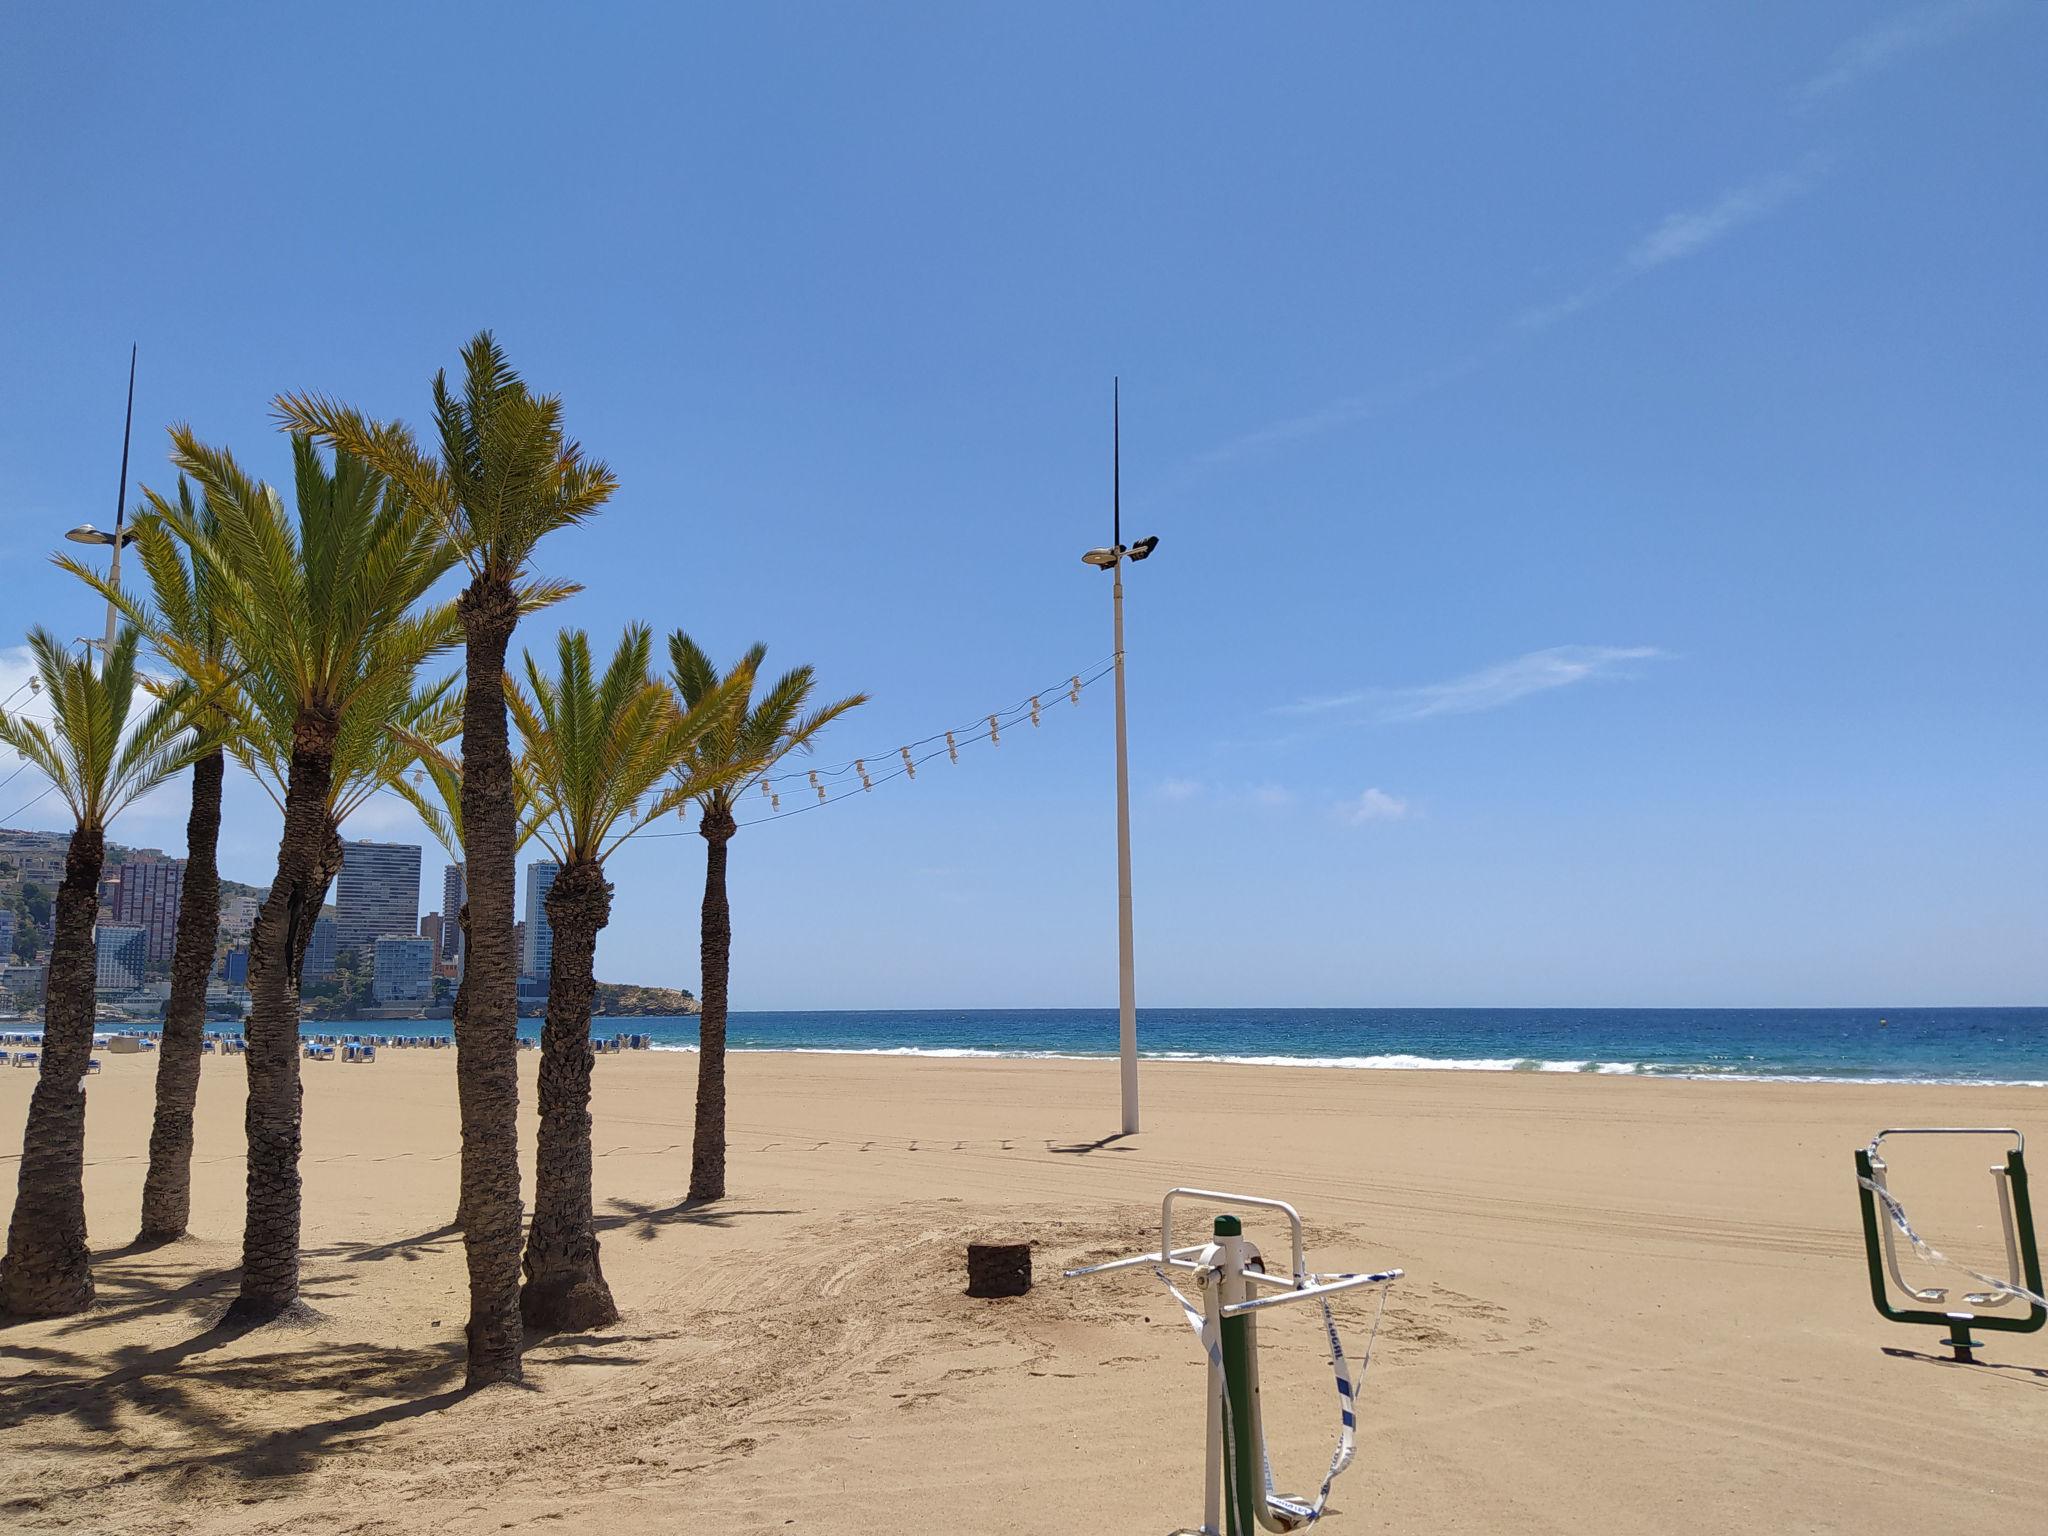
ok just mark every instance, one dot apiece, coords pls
pixel 1374 805
pixel 1690 231
pixel 1559 666
pixel 1187 791
pixel 1888 42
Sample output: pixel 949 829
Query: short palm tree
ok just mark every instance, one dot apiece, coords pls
pixel 99 760
pixel 325 611
pixel 604 756
pixel 507 475
pixel 749 741
pixel 181 617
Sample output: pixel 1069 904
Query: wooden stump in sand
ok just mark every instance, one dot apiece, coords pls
pixel 998 1269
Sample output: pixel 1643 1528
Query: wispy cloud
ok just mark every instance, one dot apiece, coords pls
pixel 1339 412
pixel 1691 231
pixel 1374 805
pixel 1677 236
pixel 1268 795
pixel 1558 666
pixel 1888 42
pixel 1682 234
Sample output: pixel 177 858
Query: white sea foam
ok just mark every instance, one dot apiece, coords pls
pixel 1398 1062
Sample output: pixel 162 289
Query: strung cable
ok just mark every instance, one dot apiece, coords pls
pixel 947 744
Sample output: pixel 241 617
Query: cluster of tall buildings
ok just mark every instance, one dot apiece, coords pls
pixel 375 914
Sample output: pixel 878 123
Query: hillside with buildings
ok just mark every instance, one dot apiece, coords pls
pixel 373 953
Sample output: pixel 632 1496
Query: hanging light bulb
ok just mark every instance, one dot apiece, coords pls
pixel 817 786
pixel 994 738
pixel 766 792
pixel 774 801
pixel 860 767
pixel 952 751
pixel 1034 709
pixel 1074 690
pixel 908 766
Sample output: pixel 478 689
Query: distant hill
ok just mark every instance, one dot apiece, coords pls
pixel 618 1000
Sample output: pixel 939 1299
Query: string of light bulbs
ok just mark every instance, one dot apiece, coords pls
pixel 904 761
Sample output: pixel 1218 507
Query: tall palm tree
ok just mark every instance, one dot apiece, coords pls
pixel 441 812
pixel 507 474
pixel 99 763
pixel 182 617
pixel 598 753
pixel 749 741
pixel 325 611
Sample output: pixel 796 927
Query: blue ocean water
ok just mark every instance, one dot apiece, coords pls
pixel 1971 1045
pixel 1955 1045
pixel 1943 1045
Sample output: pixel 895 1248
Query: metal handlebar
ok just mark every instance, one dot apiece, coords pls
pixel 1293 1216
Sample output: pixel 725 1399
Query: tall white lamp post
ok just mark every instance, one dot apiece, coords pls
pixel 1112 560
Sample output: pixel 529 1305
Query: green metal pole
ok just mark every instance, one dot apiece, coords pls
pixel 1241 1455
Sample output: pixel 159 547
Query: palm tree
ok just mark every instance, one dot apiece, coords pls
pixel 324 611
pixel 183 619
pixel 507 474
pixel 596 750
pixel 99 764
pixel 441 812
pixel 749 741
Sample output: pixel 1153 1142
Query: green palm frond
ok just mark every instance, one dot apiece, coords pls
pixel 507 473
pixel 181 616
pixel 599 751
pixel 92 749
pixel 377 748
pixel 753 737
pixel 318 617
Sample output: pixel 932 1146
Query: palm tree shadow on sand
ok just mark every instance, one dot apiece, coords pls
pixel 646 1221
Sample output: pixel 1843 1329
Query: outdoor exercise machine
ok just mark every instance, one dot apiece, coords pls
pixel 1881 1230
pixel 1234 1285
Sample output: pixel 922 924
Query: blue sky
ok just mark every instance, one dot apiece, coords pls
pixel 1597 452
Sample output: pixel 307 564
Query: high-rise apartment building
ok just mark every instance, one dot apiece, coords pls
pixel 454 893
pixel 322 949
pixel 430 928
pixel 148 897
pixel 538 952
pixel 376 893
pixel 120 952
pixel 403 969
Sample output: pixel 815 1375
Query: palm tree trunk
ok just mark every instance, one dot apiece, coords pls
pixel 565 1288
pixel 457 1018
pixel 47 1270
pixel 167 1188
pixel 308 856
pixel 707 1150
pixel 487 1049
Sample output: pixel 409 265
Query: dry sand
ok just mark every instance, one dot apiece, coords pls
pixel 1632 1306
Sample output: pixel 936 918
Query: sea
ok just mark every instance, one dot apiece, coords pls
pixel 1853 1045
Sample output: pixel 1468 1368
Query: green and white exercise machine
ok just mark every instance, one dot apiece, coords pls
pixel 1881 1232
pixel 1234 1286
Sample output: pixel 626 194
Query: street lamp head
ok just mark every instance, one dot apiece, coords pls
pixel 85 533
pixel 1102 559
pixel 1144 546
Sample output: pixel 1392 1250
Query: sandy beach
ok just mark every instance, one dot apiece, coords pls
pixel 1632 1305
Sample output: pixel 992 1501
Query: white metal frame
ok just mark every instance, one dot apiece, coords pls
pixel 1226 1268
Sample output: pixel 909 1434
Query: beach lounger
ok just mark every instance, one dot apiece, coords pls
pixel 92 1065
pixel 27 1058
